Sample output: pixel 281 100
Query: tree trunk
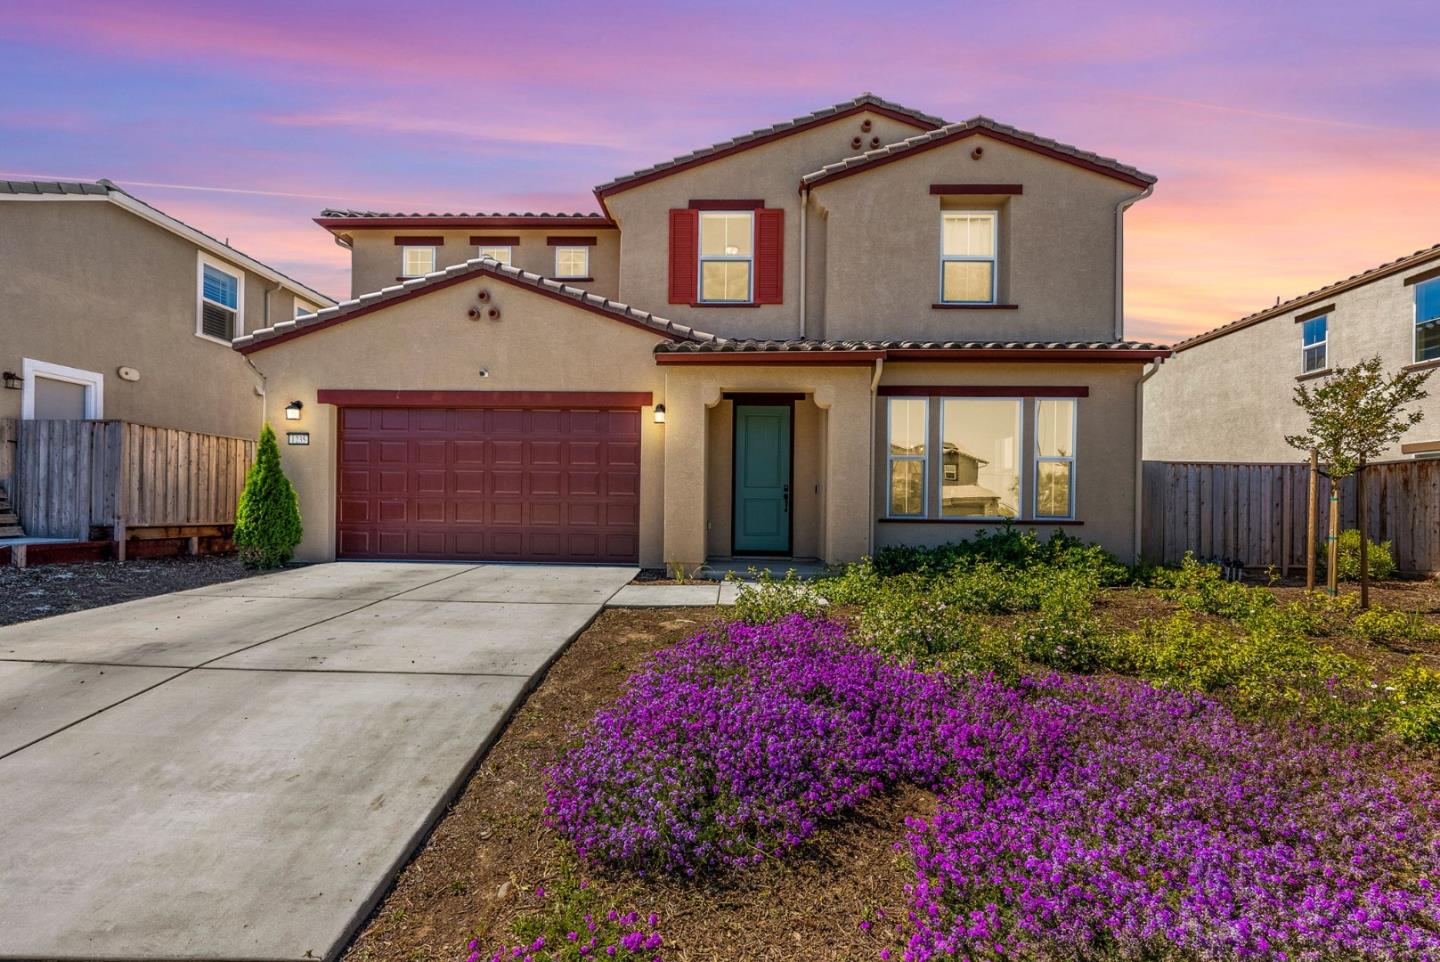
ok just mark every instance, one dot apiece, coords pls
pixel 1312 511
pixel 1361 513
pixel 1332 549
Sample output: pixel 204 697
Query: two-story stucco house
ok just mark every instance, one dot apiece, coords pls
pixel 110 308
pixel 857 328
pixel 1228 393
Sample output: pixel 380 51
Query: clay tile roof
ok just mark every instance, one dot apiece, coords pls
pixel 1001 131
pixel 1396 266
pixel 462 215
pixel 754 345
pixel 366 303
pixel 52 187
pixel 866 99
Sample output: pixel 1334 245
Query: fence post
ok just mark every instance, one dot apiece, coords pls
pixel 121 485
pixel 1311 511
pixel 1332 552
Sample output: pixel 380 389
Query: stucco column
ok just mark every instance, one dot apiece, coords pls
pixel 848 451
pixel 686 398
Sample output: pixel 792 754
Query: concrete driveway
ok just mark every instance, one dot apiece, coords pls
pixel 237 772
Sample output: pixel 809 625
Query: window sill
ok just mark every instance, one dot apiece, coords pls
pixel 1323 372
pixel 1431 364
pixel 1030 522
pixel 415 277
pixel 942 306
pixel 572 280
pixel 723 304
pixel 214 340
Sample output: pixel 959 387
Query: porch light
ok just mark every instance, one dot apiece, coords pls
pixel 292 411
pixel 659 414
pixel 13 381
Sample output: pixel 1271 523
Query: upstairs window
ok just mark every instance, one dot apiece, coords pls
pixel 727 255
pixel 501 254
pixel 968 242
pixel 1314 355
pixel 1427 320
pixel 302 308
pixel 219 301
pixel 572 262
pixel 417 261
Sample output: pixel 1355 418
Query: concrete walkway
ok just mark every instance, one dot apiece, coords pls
pixel 237 772
pixel 641 595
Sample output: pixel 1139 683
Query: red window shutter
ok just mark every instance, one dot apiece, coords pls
pixel 684 255
pixel 769 255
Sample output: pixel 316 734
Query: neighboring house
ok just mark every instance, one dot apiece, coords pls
pixel 1228 394
pixel 110 308
pixel 787 341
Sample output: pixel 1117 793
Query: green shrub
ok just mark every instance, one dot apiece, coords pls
pixel 1382 562
pixel 914 627
pixel 766 600
pixel 1385 626
pixel 1415 697
pixel 267 519
pixel 1006 547
pixel 1201 587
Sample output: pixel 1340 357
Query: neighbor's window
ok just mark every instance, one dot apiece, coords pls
pixel 727 255
pixel 1427 320
pixel 501 254
pixel 219 309
pixel 907 430
pixel 572 262
pixel 417 261
pixel 967 256
pixel 301 308
pixel 1054 458
pixel 1313 353
pixel 980 458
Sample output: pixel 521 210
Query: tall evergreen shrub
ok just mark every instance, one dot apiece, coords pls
pixel 267 521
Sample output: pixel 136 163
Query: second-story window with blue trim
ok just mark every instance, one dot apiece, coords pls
pixel 1314 353
pixel 968 243
pixel 1427 320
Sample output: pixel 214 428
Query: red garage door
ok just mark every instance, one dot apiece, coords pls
pixel 489 484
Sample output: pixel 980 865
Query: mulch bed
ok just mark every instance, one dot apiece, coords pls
pixel 30 593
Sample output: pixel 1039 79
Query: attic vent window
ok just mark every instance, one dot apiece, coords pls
pixel 220 297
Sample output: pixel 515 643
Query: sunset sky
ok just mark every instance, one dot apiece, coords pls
pixel 1296 143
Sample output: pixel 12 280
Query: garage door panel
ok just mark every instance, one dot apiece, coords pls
pixel 482 484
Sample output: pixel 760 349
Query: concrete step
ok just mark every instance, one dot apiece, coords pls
pixel 11 531
pixel 9 517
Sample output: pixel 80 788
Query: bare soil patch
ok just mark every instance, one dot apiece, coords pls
pixel 39 592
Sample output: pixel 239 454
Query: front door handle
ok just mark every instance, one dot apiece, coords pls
pixel 787 498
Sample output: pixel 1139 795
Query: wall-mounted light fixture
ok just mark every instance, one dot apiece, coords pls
pixel 659 414
pixel 13 381
pixel 292 411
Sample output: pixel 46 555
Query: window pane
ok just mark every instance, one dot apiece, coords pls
pixel 419 260
pixel 220 287
pixel 1427 340
pixel 907 425
pixel 969 235
pixel 980 454
pixel 967 281
pixel 1314 359
pixel 572 261
pixel 907 487
pixel 726 235
pixel 501 254
pixel 1313 330
pixel 1427 300
pixel 725 281
pixel 217 321
pixel 1055 429
pixel 1052 498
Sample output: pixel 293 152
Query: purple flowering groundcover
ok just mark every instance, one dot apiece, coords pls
pixel 1077 818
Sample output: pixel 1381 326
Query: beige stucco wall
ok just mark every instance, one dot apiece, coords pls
pixel 770 172
pixel 430 343
pixel 375 259
pixel 88 285
pixel 1056 247
pixel 1104 460
pixel 1232 398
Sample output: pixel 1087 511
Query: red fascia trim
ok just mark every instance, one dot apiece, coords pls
pixel 456 223
pixel 479 272
pixel 726 204
pixel 342 397
pixel 427 241
pixel 495 240
pixel 836 358
pixel 952 390
pixel 761 141
pixel 993 135
pixel 987 189
pixel 556 241
pixel 1054 354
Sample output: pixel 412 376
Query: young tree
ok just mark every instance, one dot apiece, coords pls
pixel 1355 414
pixel 267 520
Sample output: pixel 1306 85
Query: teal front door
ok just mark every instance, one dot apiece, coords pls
pixel 762 479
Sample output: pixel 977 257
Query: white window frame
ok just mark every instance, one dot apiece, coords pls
pixel 405 259
pixel 582 248
pixel 1019 462
pixel 202 261
pixel 1323 343
pixel 1040 459
pixel 509 250
pixel 93 381
pixel 1415 321
pixel 891 458
pixel 993 260
pixel 702 258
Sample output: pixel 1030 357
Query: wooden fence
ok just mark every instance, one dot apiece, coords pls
pixel 1256 513
pixel 8 440
pixel 72 476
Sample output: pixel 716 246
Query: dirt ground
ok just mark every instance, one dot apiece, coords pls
pixel 39 592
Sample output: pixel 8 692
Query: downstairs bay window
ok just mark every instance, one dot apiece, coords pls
pixel 907 443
